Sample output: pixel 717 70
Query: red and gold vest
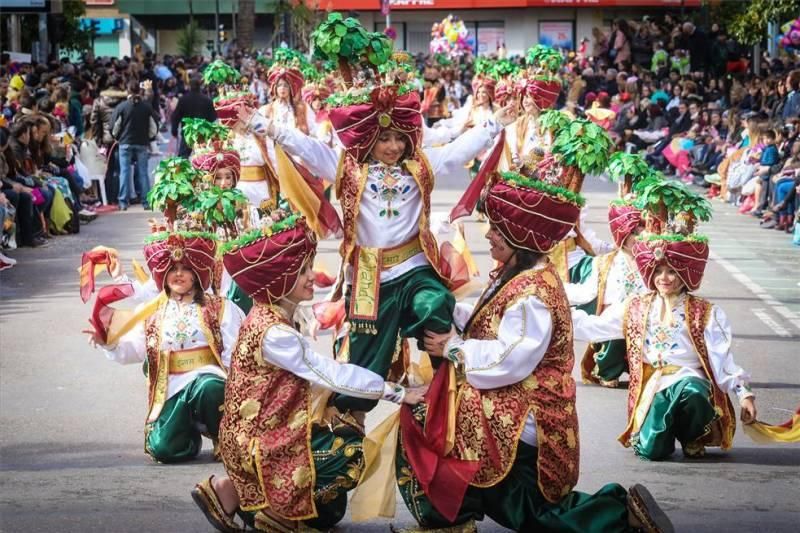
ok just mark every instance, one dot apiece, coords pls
pixel 265 433
pixel 698 313
pixel 351 179
pixel 157 361
pixel 489 422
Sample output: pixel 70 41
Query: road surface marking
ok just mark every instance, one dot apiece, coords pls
pixel 756 289
pixel 771 323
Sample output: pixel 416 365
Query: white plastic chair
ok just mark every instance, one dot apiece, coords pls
pixel 90 166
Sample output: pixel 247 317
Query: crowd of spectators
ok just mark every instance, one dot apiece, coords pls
pixel 689 100
pixel 686 97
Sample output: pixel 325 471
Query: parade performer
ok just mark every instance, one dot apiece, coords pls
pixel 185 336
pixel 285 468
pixel 223 165
pixel 614 276
pixel 515 416
pixel 679 345
pixel 314 95
pixel 257 179
pixel 286 106
pixel 396 283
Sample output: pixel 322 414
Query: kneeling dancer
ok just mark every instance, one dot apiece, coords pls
pixel 285 471
pixel 186 345
pixel 679 350
pixel 515 411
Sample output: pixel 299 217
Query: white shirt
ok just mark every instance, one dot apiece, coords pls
pixel 522 340
pixel 372 227
pixel 623 280
pixel 671 344
pixel 286 348
pixel 180 330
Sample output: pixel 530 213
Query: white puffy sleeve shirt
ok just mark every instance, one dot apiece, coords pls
pixel 286 348
pixel 181 329
pixel 522 339
pixel 675 347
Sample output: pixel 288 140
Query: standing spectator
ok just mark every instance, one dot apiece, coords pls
pixel 193 104
pixel 620 44
pixel 696 42
pixel 599 43
pixel 642 46
pixel 134 127
pixel 791 108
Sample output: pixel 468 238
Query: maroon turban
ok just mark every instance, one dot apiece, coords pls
pixel 687 258
pixel 487 83
pixel 194 250
pixel 529 218
pixel 311 92
pixel 502 92
pixel 267 268
pixel 212 161
pixel 359 125
pixel 292 76
pixel 227 109
pixel 544 93
pixel 623 220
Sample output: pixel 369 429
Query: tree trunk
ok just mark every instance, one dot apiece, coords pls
pixel 247 24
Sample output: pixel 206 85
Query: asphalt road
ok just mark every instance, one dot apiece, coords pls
pixel 71 443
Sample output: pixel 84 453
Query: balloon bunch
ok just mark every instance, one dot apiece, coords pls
pixel 790 40
pixel 451 38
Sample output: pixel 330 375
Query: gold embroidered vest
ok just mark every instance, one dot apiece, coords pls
pixel 698 313
pixel 489 422
pixel 265 433
pixel 158 361
pixel 351 178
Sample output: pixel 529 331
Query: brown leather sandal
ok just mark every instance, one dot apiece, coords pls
pixel 207 500
pixel 645 509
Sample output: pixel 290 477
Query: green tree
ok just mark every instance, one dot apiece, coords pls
pixel 74 38
pixel 189 39
pixel 747 20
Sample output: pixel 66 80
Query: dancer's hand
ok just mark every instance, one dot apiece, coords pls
pixel 435 342
pixel 94 339
pixel 506 115
pixel 244 113
pixel 414 395
pixel 748 412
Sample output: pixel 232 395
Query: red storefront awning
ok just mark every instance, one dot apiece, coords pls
pixel 375 5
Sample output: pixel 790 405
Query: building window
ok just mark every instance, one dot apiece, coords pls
pixel 490 37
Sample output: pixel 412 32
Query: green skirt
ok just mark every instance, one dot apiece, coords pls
pixel 517 503
pixel 682 411
pixel 177 433
pixel 407 306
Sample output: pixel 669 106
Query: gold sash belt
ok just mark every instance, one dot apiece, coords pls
pixel 253 174
pixel 652 378
pixel 184 361
pixel 367 266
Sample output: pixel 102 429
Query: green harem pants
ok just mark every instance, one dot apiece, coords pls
pixel 407 306
pixel 176 435
pixel 682 411
pixel 518 504
pixel 338 464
